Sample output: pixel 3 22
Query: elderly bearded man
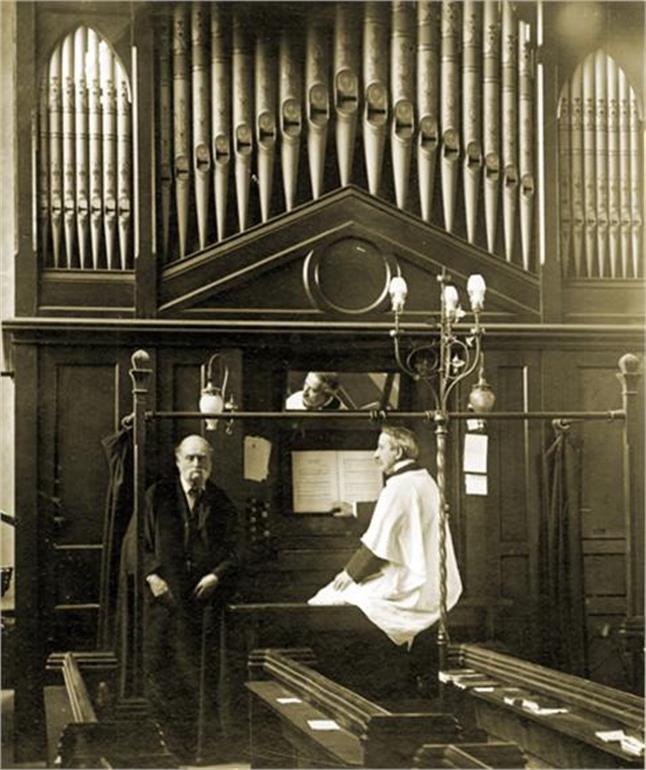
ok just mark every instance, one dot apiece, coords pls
pixel 189 561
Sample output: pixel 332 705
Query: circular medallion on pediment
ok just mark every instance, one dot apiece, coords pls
pixel 350 276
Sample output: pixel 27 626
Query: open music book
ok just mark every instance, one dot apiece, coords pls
pixel 324 480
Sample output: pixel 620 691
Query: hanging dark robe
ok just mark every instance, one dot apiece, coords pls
pixel 118 511
pixel 563 615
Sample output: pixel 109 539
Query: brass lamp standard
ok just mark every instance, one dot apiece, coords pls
pixel 443 363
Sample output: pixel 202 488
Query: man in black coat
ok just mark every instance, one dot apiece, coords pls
pixel 190 561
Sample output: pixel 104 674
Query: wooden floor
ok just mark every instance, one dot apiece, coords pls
pixel 7 751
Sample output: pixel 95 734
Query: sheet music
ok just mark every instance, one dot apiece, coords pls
pixel 359 477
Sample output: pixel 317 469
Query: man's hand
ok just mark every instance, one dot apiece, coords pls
pixel 158 586
pixel 206 586
pixel 342 581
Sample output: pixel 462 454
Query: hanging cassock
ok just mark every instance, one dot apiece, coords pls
pixel 402 80
pixel 565 193
pixel 526 140
pixel 471 112
pixel 165 120
pixel 509 125
pixel 614 211
pixel 220 115
pixel 265 79
pixel 69 167
pixel 181 95
pixel 109 131
pixel 491 117
pixel 636 185
pixel 428 130
pixel 317 102
pixel 624 170
pixel 201 119
pixel 81 143
pixel 576 147
pixel 589 168
pixel 56 154
pixel 375 114
pixel 601 159
pixel 43 170
pixel 346 87
pixel 95 148
pixel 124 164
pixel 291 118
pixel 450 101
pixel 242 136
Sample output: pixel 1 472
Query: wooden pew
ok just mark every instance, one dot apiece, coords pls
pixel 501 706
pixel 287 696
pixel 470 755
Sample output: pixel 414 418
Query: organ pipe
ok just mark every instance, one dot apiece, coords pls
pixel 624 170
pixel 220 114
pixel 450 111
pixel 345 87
pixel 69 165
pixel 525 140
pixel 471 111
pixel 265 80
pixel 589 169
pixel 614 211
pixel 43 169
pixel 509 57
pixel 56 154
pixel 164 129
pixel 375 69
pixel 317 102
pixel 565 177
pixel 576 147
pixel 124 164
pixel 242 116
pixel 636 186
pixel 291 118
pixel 201 119
pixel 402 79
pixel 181 150
pixel 95 154
pixel 109 126
pixel 491 117
pixel 81 143
pixel 428 129
pixel 601 159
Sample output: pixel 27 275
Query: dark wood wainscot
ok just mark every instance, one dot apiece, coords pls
pixel 288 700
pixel 555 718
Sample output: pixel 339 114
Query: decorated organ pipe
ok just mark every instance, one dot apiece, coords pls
pixel 471 111
pixel 402 79
pixel 69 165
pixel 165 163
pixel 491 117
pixel 43 169
pixel 220 114
pixel 181 150
pixel 509 59
pixel 525 141
pixel 56 155
pixel 601 171
pixel 290 116
pixel 95 154
pixel 589 169
pixel 81 143
pixel 242 63
pixel 450 111
pixel 375 78
pixel 124 165
pixel 317 102
pixel 428 94
pixel 265 106
pixel 201 118
pixel 614 214
pixel 345 87
pixel 601 160
pixel 109 126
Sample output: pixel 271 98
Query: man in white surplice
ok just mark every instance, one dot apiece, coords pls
pixel 394 576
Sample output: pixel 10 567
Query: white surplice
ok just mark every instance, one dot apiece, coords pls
pixel 403 598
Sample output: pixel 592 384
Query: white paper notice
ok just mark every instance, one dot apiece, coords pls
pixel 323 724
pixel 256 458
pixel 288 700
pixel 475 453
pixel 476 483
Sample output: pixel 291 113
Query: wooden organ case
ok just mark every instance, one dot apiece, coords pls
pixel 246 179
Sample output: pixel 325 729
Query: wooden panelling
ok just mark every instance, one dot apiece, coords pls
pixel 604 574
pixel 514 578
pixel 77 573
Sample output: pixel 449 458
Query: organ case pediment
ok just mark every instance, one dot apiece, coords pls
pixel 333 258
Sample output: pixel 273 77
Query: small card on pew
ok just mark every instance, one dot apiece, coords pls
pixel 449 675
pixel 543 706
pixel 323 724
pixel 629 743
pixel 288 700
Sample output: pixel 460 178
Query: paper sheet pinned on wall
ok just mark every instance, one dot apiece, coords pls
pixel 257 451
pixel 476 483
pixel 475 453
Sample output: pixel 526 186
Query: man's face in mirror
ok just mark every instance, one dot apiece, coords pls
pixel 193 461
pixel 315 392
pixel 387 453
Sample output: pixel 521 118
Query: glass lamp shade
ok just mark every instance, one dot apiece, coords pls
pixel 211 402
pixel 482 397
pixel 476 288
pixel 398 292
